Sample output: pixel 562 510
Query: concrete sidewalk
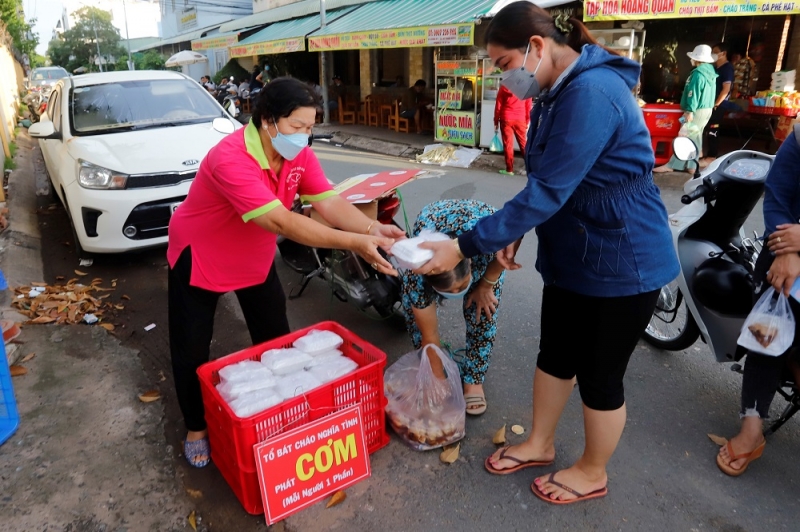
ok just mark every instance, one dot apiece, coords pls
pixel 88 456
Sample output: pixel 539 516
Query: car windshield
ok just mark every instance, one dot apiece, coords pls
pixel 129 105
pixel 53 73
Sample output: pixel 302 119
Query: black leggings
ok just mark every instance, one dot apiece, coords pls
pixel 191 325
pixel 592 338
pixel 711 146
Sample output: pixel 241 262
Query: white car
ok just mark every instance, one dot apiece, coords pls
pixel 122 149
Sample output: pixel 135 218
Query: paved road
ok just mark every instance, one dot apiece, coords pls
pixel 663 476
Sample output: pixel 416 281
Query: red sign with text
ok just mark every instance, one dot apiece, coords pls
pixel 302 466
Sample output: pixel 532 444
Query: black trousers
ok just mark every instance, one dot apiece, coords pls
pixel 711 146
pixel 592 338
pixel 191 326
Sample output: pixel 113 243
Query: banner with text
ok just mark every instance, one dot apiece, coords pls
pixel 597 10
pixel 215 42
pixel 456 127
pixel 282 46
pixel 451 35
pixel 303 466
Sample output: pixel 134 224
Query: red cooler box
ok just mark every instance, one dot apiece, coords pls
pixel 232 438
pixel 663 122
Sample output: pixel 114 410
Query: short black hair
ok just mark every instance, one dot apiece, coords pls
pixel 722 47
pixel 280 97
pixel 445 280
pixel 420 83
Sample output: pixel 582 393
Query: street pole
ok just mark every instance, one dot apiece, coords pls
pixel 323 68
pixel 97 42
pixel 131 65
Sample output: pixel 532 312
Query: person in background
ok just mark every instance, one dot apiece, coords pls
pixel 222 238
pixel 244 87
pixel 721 104
pixel 780 267
pixel 264 76
pixel 605 247
pixel 478 282
pixel 413 103
pixel 511 117
pixel 335 91
pixel 255 83
pixel 697 102
pixel 208 84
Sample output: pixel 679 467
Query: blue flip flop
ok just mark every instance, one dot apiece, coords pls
pixel 194 449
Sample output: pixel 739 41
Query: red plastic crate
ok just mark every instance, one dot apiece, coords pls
pixel 773 111
pixel 232 438
pixel 662 119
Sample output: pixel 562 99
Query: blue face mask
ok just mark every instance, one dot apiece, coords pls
pixel 287 146
pixel 454 295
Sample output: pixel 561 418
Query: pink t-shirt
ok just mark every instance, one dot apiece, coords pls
pixel 234 184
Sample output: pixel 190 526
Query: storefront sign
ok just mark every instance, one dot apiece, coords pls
pixel 595 10
pixel 281 46
pixel 187 19
pixel 457 68
pixel 450 99
pixel 451 35
pixel 215 42
pixel 302 466
pixel 456 127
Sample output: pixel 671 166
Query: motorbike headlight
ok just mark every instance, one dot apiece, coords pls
pixel 93 176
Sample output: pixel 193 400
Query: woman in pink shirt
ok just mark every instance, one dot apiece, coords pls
pixel 511 116
pixel 222 238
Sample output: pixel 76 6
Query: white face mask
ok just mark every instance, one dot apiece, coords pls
pixel 287 146
pixel 522 83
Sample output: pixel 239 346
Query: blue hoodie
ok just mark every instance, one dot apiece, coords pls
pixel 602 227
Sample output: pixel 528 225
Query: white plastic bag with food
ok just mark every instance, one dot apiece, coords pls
pixel 427 411
pixel 408 253
pixel 769 328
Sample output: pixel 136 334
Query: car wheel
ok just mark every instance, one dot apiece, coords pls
pixel 80 253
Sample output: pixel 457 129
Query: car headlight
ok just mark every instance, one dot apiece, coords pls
pixel 93 176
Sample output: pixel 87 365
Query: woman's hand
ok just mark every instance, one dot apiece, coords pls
pixel 387 231
pixel 786 239
pixel 506 257
pixel 484 299
pixel 366 247
pixel 445 257
pixel 688 116
pixel 783 272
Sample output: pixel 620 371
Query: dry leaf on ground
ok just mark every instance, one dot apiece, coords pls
pixel 719 440
pixel 195 494
pixel 78 272
pixel 107 326
pixel 336 498
pixel 500 436
pixel 18 371
pixel 63 302
pixel 149 397
pixel 450 453
pixel 125 297
pixel 192 520
pixel 517 429
pixel 27 357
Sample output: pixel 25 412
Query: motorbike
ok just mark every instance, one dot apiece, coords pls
pixel 350 278
pixel 36 100
pixel 714 292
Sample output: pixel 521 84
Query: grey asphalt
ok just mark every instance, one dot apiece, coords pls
pixel 663 476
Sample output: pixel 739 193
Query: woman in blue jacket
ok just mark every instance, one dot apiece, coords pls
pixel 605 248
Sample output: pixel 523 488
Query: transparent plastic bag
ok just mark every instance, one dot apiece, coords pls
pixel 317 342
pixel 496 145
pixel 689 129
pixel 769 328
pixel 425 411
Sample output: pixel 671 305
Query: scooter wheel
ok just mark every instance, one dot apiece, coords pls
pixel 672 326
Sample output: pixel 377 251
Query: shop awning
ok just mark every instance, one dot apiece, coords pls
pixel 284 37
pixel 302 8
pixel 217 40
pixel 403 24
pixel 183 37
pixel 597 10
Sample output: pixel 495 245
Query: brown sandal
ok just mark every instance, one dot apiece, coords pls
pixel 522 464
pixel 749 457
pixel 596 494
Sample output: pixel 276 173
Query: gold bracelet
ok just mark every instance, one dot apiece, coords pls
pixel 490 282
pixel 458 248
pixel 370 226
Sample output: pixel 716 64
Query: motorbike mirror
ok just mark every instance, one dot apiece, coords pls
pixel 684 149
pixel 44 130
pixel 223 125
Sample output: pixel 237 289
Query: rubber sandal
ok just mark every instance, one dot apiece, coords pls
pixel 596 494
pixel 506 172
pixel 193 449
pixel 523 464
pixel 749 457
pixel 475 400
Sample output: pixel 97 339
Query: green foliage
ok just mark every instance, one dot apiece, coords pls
pixel 233 68
pixel 22 36
pixel 150 60
pixel 37 60
pixel 8 163
pixel 78 46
